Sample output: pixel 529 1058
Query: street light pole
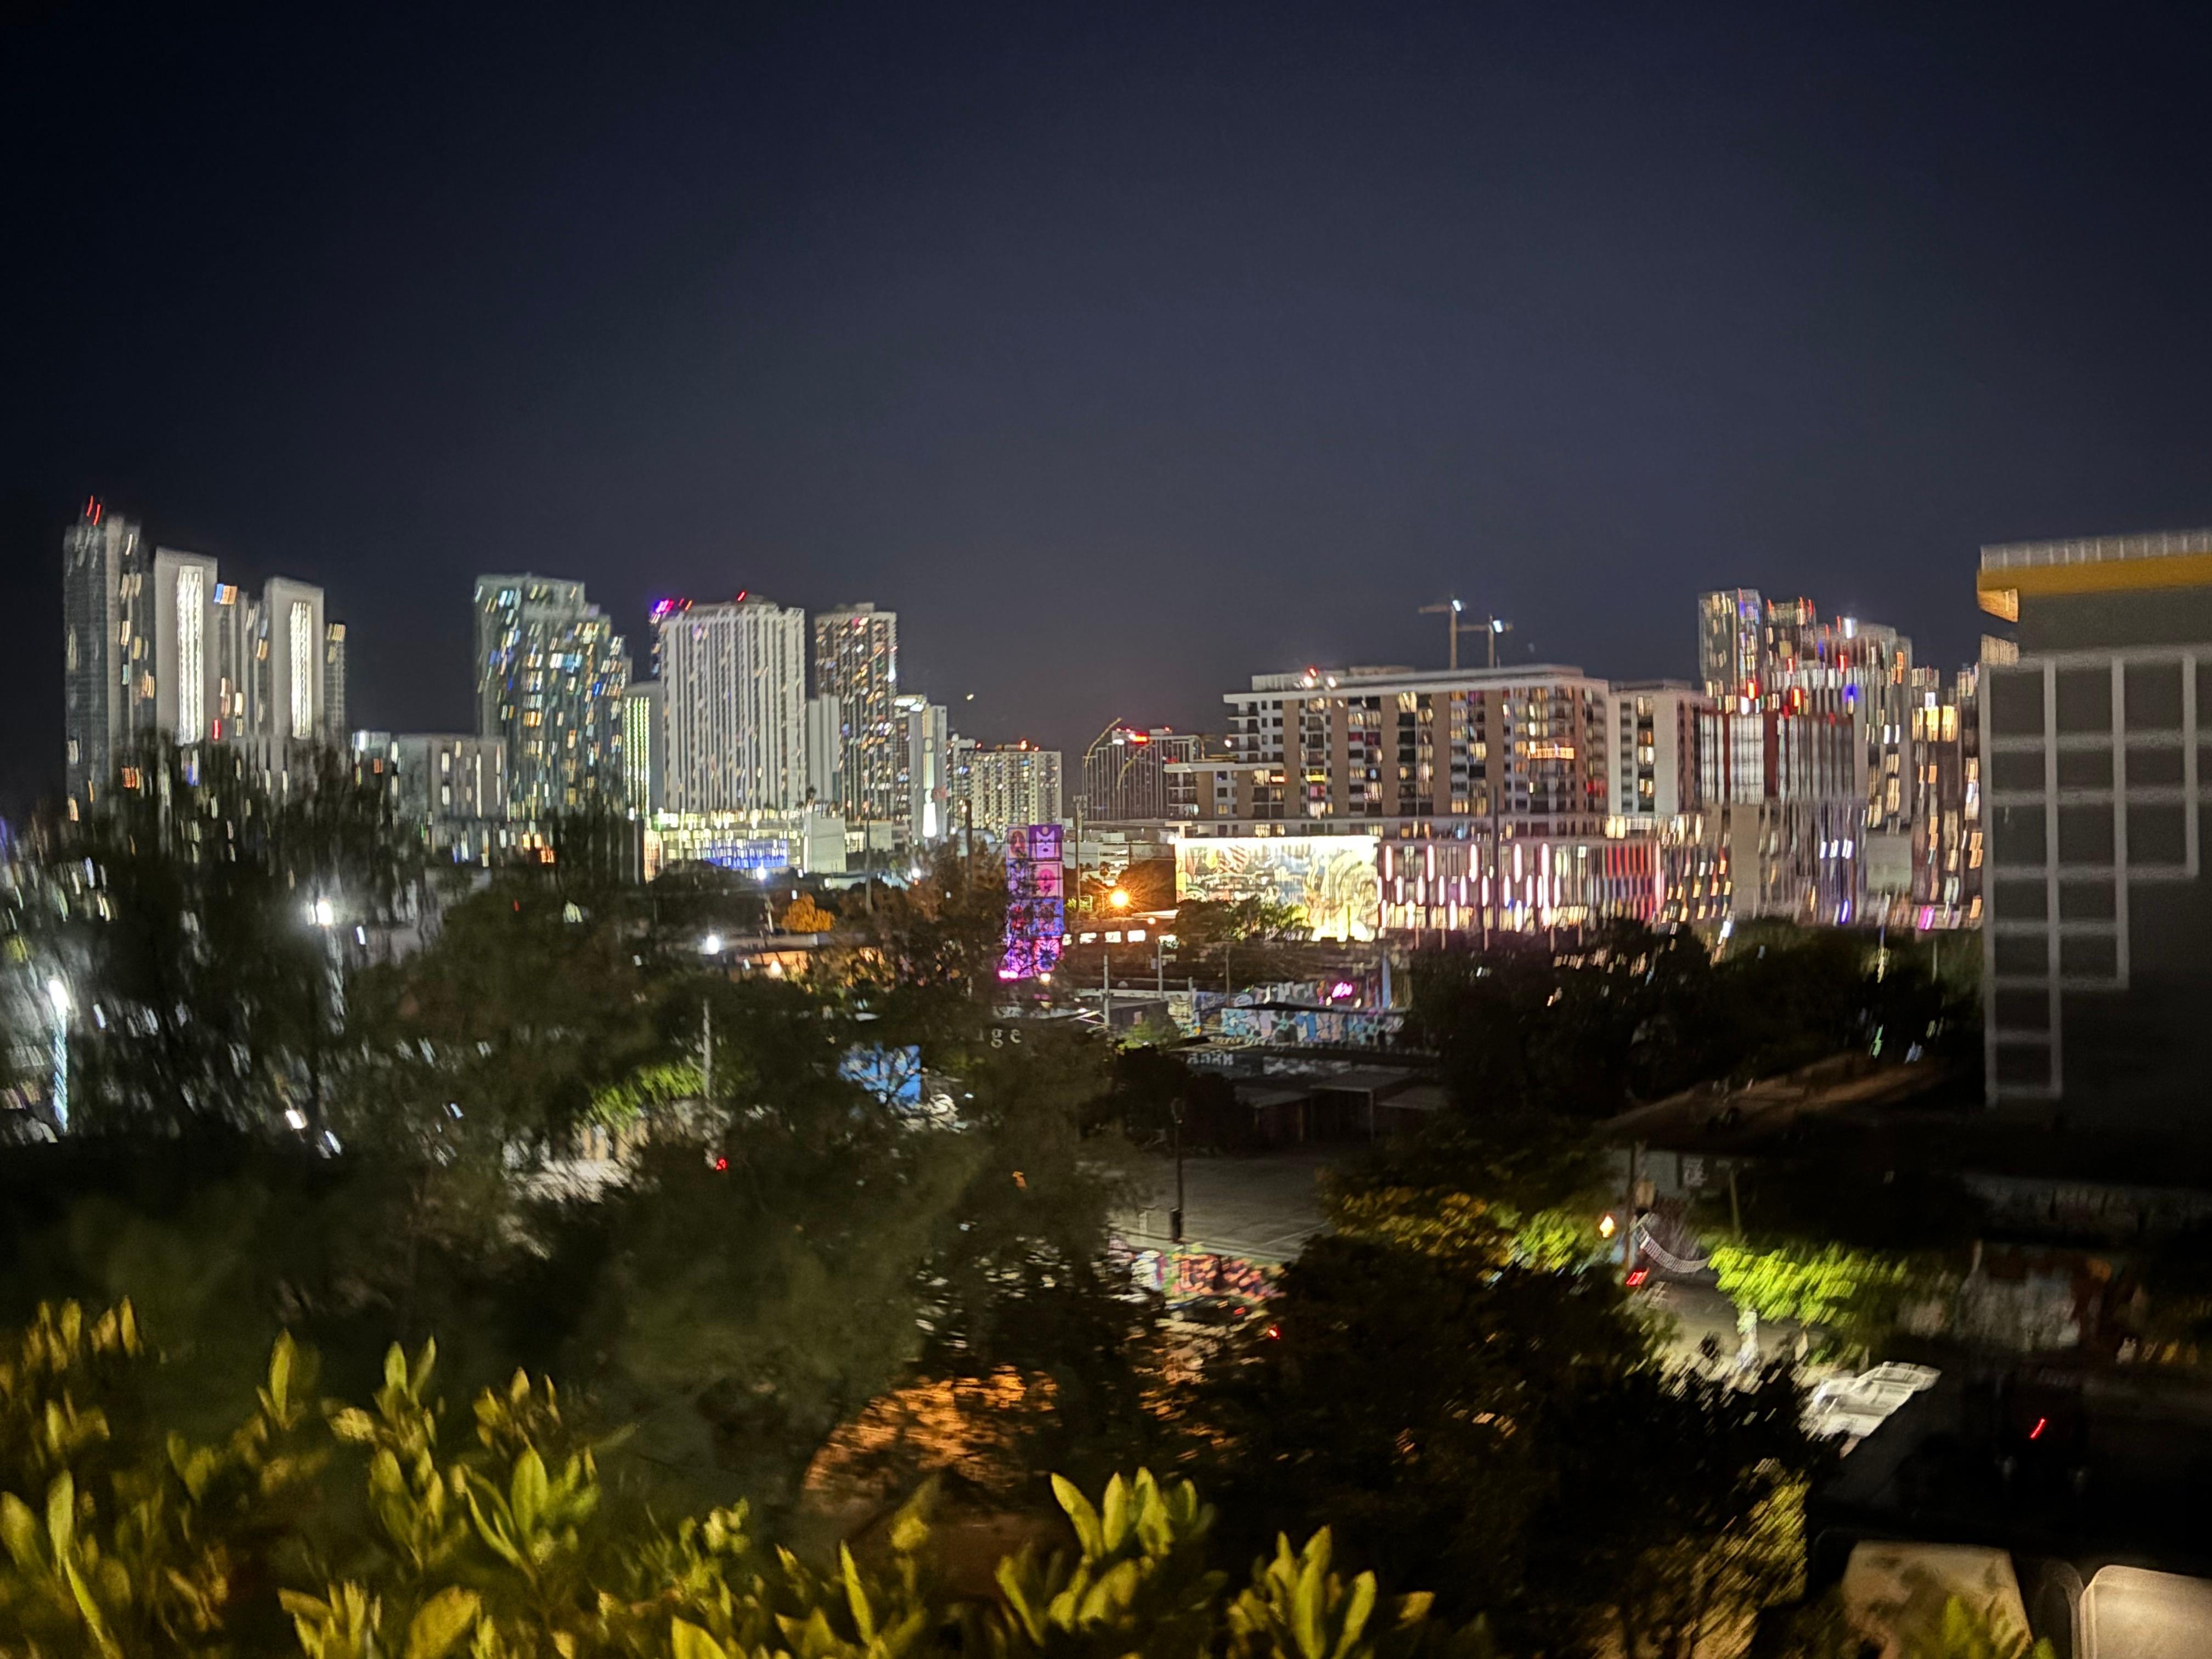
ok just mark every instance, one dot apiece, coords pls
pixel 330 1009
pixel 58 994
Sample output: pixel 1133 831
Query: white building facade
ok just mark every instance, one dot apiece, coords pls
pixel 733 685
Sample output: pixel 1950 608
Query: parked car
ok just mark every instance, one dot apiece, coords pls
pixel 1857 1405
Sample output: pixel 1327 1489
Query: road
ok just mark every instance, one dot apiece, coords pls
pixel 1262 1209
pixel 1698 1312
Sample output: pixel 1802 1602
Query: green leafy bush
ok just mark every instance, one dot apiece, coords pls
pixel 362 1532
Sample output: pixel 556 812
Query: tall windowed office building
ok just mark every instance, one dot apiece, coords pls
pixel 2097 907
pixel 551 676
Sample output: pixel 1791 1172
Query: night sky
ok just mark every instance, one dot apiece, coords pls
pixel 1125 351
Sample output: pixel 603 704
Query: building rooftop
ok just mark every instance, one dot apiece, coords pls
pixel 1341 679
pixel 2096 549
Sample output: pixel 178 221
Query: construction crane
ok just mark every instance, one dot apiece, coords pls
pixel 1451 611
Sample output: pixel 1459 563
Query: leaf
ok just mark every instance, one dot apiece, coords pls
pixel 61 1514
pixel 280 1373
pixel 527 1491
pixel 864 1616
pixel 1081 1516
pixel 689 1642
pixel 1012 1573
pixel 1116 1520
pixel 395 1367
pixel 89 1607
pixel 440 1622
pixel 19 1531
pixel 425 1363
pixel 1413 1608
pixel 1305 1605
pixel 1356 1613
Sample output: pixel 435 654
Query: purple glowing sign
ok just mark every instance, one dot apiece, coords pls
pixel 1036 904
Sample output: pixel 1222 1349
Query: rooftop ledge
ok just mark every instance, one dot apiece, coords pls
pixel 2097 549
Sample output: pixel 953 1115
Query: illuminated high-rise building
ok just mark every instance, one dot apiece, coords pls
pixel 105 675
pixel 291 707
pixel 550 675
pixel 1731 624
pixel 334 677
pixel 157 645
pixel 187 647
pixel 236 670
pixel 734 681
pixel 926 768
pixel 825 752
pixel 234 618
pixel 1810 752
pixel 645 746
pixel 1478 799
pixel 1007 785
pixel 856 661
pixel 1652 751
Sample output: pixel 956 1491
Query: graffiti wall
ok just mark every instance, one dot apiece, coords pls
pixel 1182 1275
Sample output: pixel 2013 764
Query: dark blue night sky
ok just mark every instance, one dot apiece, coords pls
pixel 1124 350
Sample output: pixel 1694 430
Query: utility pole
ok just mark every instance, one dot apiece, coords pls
pixel 1106 985
pixel 1075 895
pixel 1175 1218
pixel 706 1052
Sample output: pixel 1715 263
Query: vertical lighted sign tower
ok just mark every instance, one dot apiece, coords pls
pixel 1036 901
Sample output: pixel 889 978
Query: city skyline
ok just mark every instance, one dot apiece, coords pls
pixel 647 667
pixel 638 640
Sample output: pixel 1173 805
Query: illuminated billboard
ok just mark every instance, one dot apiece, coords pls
pixel 1330 878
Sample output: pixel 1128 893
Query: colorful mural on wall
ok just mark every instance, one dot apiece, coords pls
pixel 1331 878
pixel 1188 1275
